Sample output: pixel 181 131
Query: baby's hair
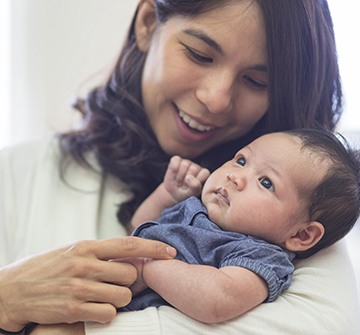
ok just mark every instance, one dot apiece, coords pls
pixel 335 201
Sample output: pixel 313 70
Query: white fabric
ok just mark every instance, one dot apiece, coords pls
pixel 38 212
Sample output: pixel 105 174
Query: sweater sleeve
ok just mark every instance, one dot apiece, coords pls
pixel 17 171
pixel 6 208
pixel 41 209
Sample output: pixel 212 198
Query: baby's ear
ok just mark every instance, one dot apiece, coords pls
pixel 145 24
pixel 306 237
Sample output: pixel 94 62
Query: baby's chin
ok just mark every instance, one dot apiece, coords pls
pixel 215 214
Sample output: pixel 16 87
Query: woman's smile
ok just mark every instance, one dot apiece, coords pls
pixel 193 124
pixel 192 129
pixel 195 84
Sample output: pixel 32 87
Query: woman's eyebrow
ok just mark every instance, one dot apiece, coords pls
pixel 216 46
pixel 205 38
pixel 259 67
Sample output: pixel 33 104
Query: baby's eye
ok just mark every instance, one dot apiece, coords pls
pixel 266 182
pixel 241 161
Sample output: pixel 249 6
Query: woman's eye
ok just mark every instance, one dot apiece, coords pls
pixel 266 182
pixel 259 85
pixel 241 161
pixel 196 56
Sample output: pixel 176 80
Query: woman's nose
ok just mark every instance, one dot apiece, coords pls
pixel 239 181
pixel 215 93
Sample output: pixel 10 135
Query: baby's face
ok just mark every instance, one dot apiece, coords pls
pixel 258 192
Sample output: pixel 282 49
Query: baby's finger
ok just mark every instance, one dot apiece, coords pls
pixel 173 167
pixel 193 184
pixel 183 171
pixel 203 175
pixel 194 169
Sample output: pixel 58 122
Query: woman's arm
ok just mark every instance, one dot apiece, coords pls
pixel 75 283
pixel 308 307
pixel 205 293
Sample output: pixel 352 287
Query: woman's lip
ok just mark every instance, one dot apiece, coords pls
pixel 193 123
pixel 190 133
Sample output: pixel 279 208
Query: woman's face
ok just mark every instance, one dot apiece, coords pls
pixel 205 78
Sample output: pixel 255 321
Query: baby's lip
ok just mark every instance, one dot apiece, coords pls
pixel 223 195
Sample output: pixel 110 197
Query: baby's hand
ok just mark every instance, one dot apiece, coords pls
pixel 139 263
pixel 184 178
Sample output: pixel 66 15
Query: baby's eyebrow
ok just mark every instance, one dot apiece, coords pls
pixel 240 152
pixel 249 147
pixel 268 166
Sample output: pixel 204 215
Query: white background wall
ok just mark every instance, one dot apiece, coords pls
pixel 4 69
pixel 60 48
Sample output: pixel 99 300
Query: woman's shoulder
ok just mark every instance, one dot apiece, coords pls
pixel 45 154
pixel 35 150
pixel 42 160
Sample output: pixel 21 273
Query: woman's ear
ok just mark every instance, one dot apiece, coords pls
pixel 145 24
pixel 306 237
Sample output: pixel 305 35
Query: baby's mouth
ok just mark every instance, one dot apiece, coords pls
pixel 193 124
pixel 222 194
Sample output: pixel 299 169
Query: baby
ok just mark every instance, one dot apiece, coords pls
pixel 285 195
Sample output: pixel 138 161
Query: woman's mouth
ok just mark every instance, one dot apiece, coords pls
pixel 193 124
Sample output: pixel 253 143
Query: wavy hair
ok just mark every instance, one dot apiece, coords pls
pixel 304 91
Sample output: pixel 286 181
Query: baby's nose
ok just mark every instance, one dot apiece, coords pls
pixel 238 180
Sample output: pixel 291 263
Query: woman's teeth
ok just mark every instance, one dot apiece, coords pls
pixel 192 123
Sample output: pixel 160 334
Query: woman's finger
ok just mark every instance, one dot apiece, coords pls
pixel 105 293
pixel 77 300
pixel 131 247
pixel 73 283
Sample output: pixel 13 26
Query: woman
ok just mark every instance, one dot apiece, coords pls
pixel 197 79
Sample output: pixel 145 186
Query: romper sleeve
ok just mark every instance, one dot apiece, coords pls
pixel 269 261
pixel 322 300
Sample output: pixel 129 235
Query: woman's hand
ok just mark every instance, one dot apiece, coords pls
pixel 75 283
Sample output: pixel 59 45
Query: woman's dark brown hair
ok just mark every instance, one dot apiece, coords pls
pixel 304 91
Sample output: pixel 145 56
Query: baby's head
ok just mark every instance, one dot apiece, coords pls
pixel 298 189
pixel 335 201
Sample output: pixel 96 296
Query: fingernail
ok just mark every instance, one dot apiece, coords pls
pixel 171 251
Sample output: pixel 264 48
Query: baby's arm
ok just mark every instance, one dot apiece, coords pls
pixel 203 292
pixel 183 178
